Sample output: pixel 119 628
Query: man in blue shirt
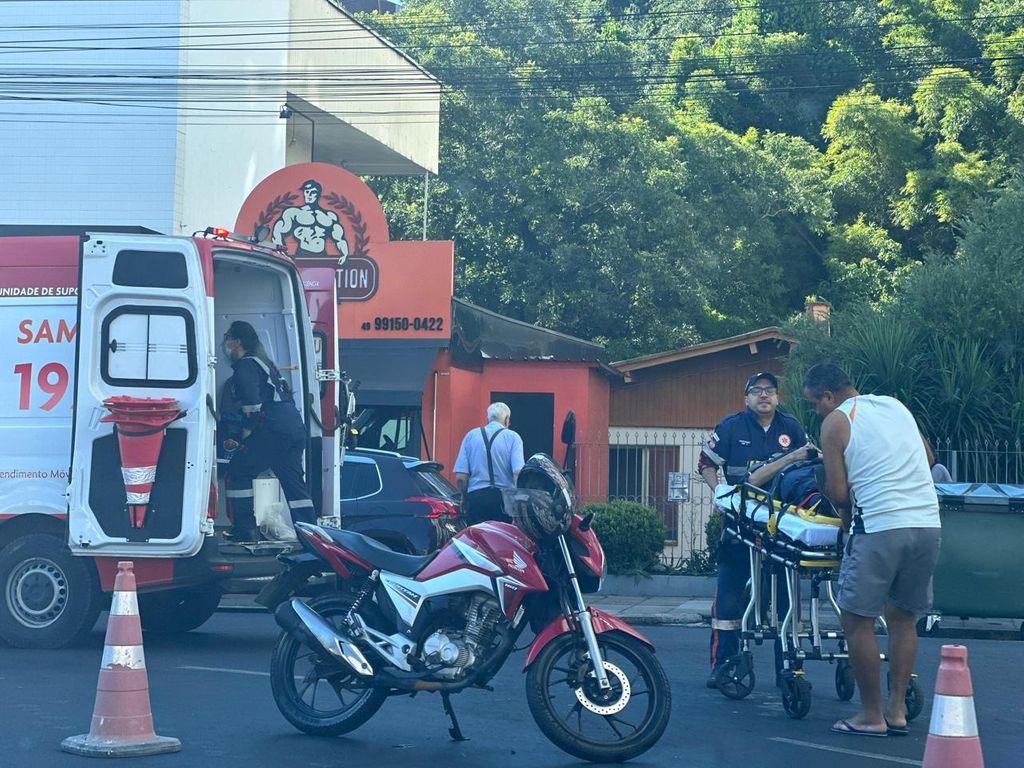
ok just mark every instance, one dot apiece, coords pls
pixel 488 462
pixel 754 436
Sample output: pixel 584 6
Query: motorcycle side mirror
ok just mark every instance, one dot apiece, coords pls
pixel 586 521
pixel 569 429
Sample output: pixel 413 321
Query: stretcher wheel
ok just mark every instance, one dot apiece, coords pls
pixel 796 696
pixel 913 699
pixel 845 683
pixel 736 676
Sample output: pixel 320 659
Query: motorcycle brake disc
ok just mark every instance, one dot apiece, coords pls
pixel 606 709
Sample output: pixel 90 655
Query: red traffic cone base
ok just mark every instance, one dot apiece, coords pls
pixel 122 722
pixel 953 734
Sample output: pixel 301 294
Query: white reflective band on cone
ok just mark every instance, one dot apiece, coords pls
pixel 123 656
pixel 138 475
pixel 138 498
pixel 124 604
pixel 953 716
pixel 726 625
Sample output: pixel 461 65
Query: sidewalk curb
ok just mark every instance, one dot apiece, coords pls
pixel 685 587
pixel 690 618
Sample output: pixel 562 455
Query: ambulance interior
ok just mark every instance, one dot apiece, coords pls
pixel 261 294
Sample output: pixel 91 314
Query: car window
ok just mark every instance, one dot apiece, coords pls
pixel 359 480
pixel 434 484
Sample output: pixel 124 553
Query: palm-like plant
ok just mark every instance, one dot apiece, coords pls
pixel 961 397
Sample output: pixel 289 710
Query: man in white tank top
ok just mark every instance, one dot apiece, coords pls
pixel 877 476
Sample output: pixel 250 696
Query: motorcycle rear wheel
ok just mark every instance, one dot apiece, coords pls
pixel 562 694
pixel 299 675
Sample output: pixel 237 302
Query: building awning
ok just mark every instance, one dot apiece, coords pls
pixel 389 371
pixel 480 334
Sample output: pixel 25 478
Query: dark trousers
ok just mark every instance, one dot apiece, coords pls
pixel 485 504
pixel 729 605
pixel 263 450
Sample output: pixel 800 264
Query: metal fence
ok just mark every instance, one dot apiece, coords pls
pixel 658 467
pixel 996 461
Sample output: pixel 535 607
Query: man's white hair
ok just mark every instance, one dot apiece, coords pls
pixel 498 412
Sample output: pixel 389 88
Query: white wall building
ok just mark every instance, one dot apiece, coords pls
pixel 165 113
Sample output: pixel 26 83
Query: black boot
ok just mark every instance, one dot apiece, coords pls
pixel 243 519
pixel 243 535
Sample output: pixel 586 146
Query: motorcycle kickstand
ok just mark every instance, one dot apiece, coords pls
pixel 455 731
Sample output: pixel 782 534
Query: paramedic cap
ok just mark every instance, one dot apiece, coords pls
pixel 764 375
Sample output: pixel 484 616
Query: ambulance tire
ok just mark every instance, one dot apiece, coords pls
pixel 48 597
pixel 178 610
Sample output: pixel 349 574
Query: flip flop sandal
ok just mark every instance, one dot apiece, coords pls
pixel 897 730
pixel 851 730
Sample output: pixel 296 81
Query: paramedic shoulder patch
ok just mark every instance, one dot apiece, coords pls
pixel 784 441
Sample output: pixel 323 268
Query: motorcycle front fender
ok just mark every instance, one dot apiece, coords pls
pixel 603 622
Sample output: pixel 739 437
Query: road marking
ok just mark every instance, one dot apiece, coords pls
pixel 841 750
pixel 224 669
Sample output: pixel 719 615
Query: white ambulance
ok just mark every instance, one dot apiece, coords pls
pixel 87 314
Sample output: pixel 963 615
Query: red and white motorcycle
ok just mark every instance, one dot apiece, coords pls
pixel 449 621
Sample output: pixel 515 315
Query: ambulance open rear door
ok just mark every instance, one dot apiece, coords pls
pixel 321 291
pixel 144 331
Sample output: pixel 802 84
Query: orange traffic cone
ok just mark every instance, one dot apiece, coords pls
pixel 122 722
pixel 953 734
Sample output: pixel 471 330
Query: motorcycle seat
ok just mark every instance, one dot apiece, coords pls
pixel 379 555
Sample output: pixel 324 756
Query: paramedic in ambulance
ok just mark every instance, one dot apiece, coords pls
pixel 311 225
pixel 761 439
pixel 274 436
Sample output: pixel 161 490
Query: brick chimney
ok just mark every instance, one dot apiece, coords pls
pixel 820 311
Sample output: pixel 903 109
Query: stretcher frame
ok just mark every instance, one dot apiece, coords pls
pixel 799 642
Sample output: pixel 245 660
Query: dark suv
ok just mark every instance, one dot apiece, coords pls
pixel 401 501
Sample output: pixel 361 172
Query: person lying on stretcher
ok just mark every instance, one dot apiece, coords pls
pixel 797 484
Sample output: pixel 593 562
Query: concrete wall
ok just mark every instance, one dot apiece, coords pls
pixel 177 156
pixel 220 159
pixel 395 103
pixel 69 162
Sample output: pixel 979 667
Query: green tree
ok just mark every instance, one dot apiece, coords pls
pixel 872 145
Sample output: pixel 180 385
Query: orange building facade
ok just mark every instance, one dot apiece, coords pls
pixel 427 364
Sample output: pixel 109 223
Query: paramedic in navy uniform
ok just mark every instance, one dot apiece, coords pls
pixel 752 436
pixel 275 436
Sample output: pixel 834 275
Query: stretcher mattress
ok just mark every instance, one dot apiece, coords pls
pixel 796 524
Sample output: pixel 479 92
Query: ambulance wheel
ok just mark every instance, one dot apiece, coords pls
pixel 736 676
pixel 50 598
pixel 796 696
pixel 845 684
pixel 178 610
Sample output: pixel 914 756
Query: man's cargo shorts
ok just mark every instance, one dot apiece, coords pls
pixel 889 566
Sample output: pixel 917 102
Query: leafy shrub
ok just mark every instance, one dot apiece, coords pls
pixel 632 535
pixel 713 534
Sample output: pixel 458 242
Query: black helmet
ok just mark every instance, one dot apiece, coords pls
pixel 543 502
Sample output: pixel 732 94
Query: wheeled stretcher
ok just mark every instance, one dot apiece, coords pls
pixel 794 546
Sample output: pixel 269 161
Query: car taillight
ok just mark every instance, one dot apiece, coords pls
pixel 439 508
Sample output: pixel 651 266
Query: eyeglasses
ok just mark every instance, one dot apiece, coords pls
pixel 763 391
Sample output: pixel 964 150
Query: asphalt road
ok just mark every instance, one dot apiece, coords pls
pixel 210 689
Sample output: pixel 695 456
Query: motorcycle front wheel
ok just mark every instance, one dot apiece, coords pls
pixel 600 726
pixel 312 690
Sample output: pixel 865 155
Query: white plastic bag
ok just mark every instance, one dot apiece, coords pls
pixel 272 514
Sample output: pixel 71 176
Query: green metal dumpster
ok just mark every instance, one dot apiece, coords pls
pixel 981 566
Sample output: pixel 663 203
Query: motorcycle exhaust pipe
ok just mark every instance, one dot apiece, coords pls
pixel 296 616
